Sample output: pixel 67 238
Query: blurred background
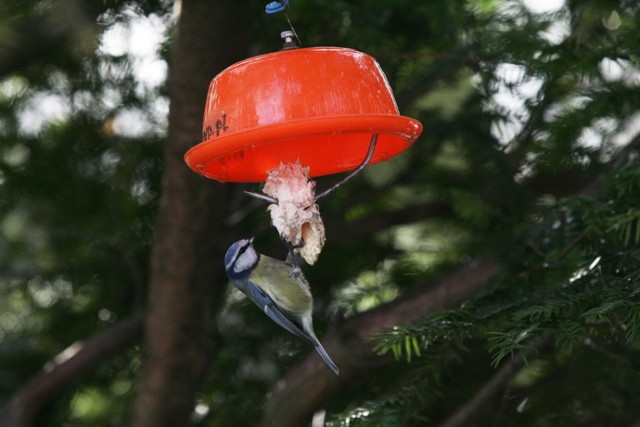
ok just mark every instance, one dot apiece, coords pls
pixel 489 275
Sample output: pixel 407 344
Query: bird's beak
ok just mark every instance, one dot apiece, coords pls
pixel 251 240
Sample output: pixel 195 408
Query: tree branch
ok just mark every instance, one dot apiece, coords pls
pixel 22 409
pixel 307 386
pixel 382 221
pixel 480 402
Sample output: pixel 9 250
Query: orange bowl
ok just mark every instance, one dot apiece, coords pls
pixel 317 105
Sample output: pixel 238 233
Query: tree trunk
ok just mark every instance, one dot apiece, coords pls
pixel 186 277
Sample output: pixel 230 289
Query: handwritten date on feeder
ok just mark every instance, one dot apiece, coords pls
pixel 219 127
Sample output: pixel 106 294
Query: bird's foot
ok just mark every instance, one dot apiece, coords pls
pixel 292 258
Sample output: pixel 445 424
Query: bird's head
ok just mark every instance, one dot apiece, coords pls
pixel 241 258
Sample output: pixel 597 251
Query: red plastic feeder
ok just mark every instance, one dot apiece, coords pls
pixel 317 105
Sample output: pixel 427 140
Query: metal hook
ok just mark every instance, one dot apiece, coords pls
pixel 372 148
pixel 365 162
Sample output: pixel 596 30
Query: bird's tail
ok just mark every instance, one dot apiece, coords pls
pixel 321 351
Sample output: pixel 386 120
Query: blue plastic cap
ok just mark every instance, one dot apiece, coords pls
pixel 277 6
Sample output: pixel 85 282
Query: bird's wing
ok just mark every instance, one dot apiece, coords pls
pixel 271 309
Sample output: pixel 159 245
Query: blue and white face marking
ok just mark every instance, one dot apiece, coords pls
pixel 240 258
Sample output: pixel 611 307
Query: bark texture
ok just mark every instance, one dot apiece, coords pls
pixel 189 243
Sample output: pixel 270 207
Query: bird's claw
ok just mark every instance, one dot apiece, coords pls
pixel 295 271
pixel 292 257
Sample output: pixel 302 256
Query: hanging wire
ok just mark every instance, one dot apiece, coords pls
pixel 282 6
pixel 261 196
pixel 365 162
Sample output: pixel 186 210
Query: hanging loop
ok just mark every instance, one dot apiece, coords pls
pixel 277 6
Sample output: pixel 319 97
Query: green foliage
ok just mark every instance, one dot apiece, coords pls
pixel 436 331
pixel 529 152
pixel 582 295
pixel 77 207
pixel 403 407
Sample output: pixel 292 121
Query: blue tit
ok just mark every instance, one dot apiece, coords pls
pixel 278 288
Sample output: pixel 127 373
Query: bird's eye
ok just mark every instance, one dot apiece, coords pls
pixel 243 249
